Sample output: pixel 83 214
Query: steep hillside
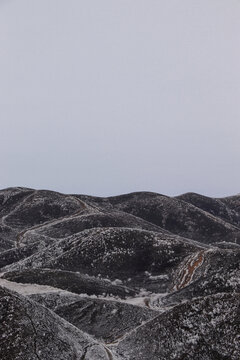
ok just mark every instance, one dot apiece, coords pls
pixel 207 328
pixel 30 331
pixel 106 319
pixel 135 276
pixel 180 217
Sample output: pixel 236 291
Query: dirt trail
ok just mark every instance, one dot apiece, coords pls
pixel 186 274
pixel 21 235
pixel 109 353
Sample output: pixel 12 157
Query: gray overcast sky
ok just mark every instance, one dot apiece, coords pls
pixel 113 96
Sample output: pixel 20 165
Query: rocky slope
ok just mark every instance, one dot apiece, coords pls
pixel 31 331
pixel 137 275
pixel 206 328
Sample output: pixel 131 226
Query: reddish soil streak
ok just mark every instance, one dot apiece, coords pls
pixel 188 273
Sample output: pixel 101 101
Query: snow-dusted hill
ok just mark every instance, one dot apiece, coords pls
pixel 145 275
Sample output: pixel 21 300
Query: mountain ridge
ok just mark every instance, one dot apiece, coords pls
pixel 118 268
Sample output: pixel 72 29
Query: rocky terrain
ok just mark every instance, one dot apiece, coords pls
pixel 136 276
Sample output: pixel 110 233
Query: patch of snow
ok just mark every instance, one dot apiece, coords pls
pixel 29 289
